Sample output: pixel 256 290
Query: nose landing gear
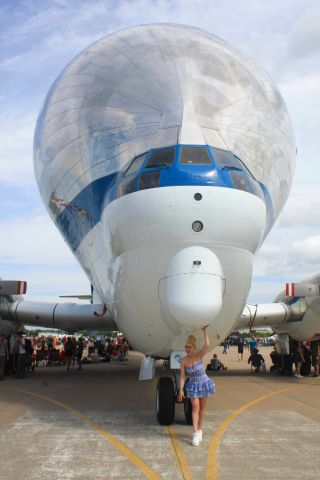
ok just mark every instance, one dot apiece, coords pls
pixel 167 393
pixel 187 406
pixel 166 399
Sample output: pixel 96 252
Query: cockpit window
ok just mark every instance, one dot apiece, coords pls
pixel 127 186
pixel 194 156
pixel 240 181
pixel 162 157
pixel 226 160
pixel 136 164
pixel 149 180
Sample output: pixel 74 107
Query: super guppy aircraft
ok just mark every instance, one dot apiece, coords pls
pixel 164 157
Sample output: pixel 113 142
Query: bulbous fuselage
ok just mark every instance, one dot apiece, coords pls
pixel 164 157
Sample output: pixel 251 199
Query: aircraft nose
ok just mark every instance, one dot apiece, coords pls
pixel 193 287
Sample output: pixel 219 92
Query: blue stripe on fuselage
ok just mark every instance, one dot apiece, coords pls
pixel 84 212
pixel 81 214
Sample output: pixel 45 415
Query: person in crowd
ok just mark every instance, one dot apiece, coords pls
pixel 215 364
pixel 22 360
pixel 109 352
pixel 90 346
pixel 29 353
pixel 115 353
pixel 225 347
pixel 34 341
pixel 62 356
pixel 49 343
pixel 68 349
pixel 240 349
pixel 306 366
pixel 256 360
pixel 80 346
pixel 13 352
pixel 315 356
pixel 74 351
pixel 94 357
pixel 4 354
pixel 101 348
pixel 199 386
pixel 252 344
pixel 125 348
pixel 298 358
pixel 121 354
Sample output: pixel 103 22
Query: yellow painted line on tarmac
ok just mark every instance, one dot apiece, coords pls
pixel 212 467
pixel 185 470
pixel 147 471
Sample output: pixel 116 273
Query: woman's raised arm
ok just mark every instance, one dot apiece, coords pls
pixel 205 347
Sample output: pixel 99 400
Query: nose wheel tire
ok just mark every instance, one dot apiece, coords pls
pixel 165 405
pixel 187 405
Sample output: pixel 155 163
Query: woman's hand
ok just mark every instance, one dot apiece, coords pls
pixel 204 349
pixel 181 396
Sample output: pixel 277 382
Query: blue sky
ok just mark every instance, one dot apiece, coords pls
pixel 39 38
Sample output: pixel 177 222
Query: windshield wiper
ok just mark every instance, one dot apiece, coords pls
pixel 157 165
pixel 232 168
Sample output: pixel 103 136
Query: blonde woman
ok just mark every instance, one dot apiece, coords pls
pixel 199 385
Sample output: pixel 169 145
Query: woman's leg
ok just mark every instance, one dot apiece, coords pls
pixel 195 413
pixel 202 411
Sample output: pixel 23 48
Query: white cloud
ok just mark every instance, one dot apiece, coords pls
pixel 270 251
pixel 305 37
pixel 265 291
pixel 302 86
pixel 293 259
pixel 307 250
pixel 16 135
pixel 46 282
pixel 33 239
pixel 33 250
pixel 302 209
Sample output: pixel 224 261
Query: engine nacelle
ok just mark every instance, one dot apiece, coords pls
pixel 295 312
pixel 309 326
pixel 67 316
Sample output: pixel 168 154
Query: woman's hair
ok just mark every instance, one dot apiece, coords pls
pixel 192 340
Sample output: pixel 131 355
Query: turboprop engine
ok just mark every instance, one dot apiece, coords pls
pixel 295 311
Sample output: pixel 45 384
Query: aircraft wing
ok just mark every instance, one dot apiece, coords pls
pixel 66 316
pixel 296 311
pixel 79 297
pixel 263 315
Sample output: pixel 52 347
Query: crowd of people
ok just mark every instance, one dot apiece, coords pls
pixel 20 353
pixel 303 358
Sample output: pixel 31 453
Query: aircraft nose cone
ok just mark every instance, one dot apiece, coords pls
pixel 193 287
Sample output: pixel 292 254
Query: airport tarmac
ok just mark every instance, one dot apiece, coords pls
pixel 99 423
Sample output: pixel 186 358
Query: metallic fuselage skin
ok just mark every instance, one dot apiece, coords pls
pixel 145 88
